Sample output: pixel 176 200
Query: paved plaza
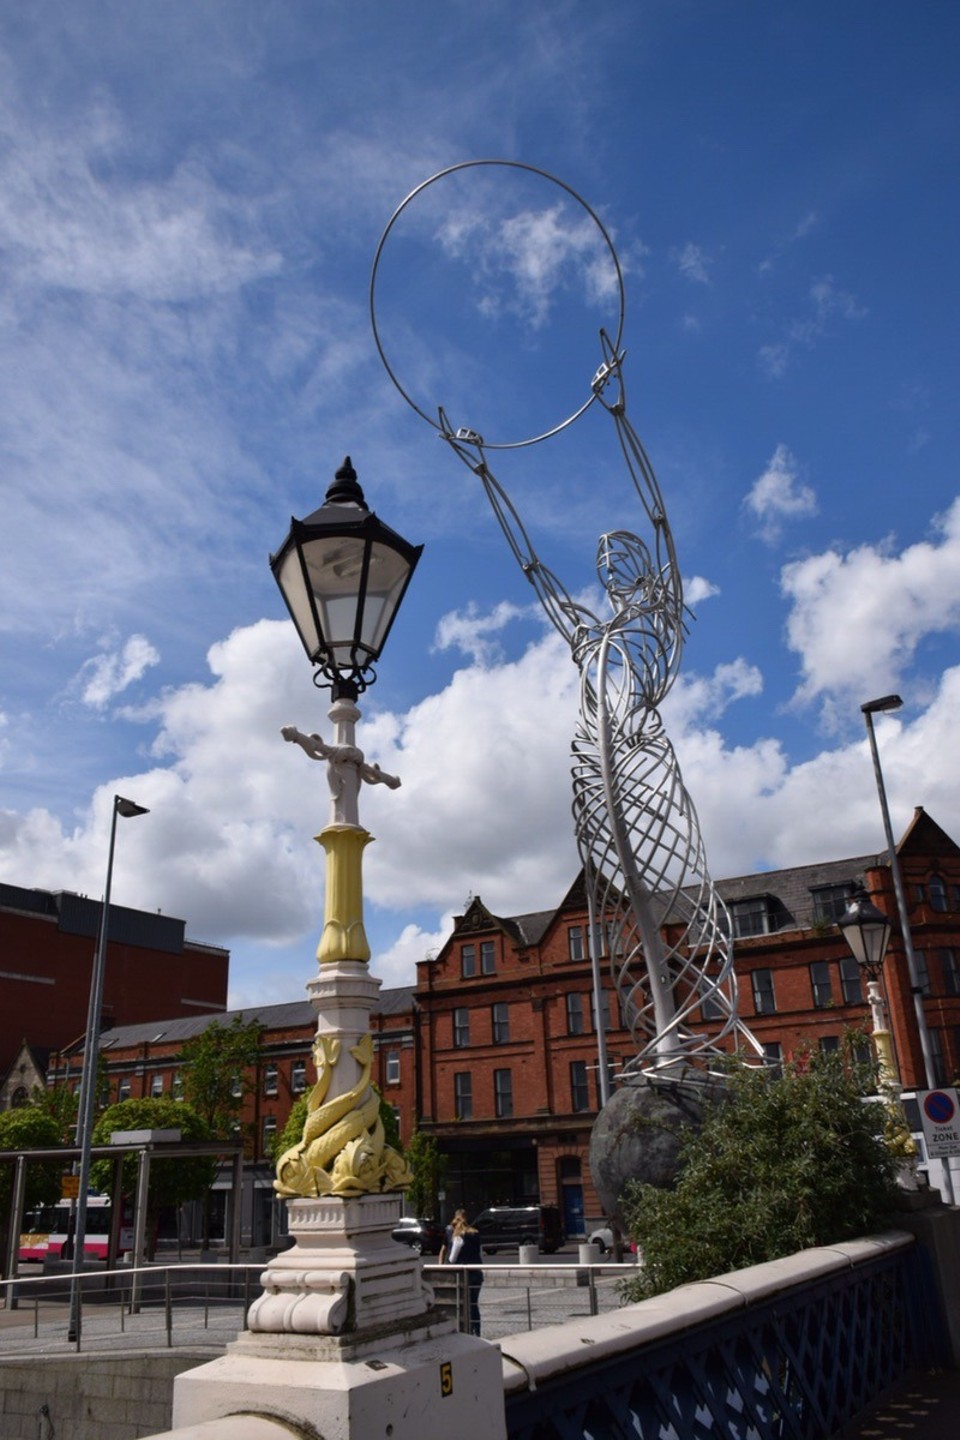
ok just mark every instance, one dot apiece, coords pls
pixel 510 1301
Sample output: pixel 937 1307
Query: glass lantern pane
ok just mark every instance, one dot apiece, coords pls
pixel 291 582
pixel 335 570
pixel 386 579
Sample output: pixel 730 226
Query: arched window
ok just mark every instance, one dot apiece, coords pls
pixel 937 890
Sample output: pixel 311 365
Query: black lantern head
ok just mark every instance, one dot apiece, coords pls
pixel 343 574
pixel 867 931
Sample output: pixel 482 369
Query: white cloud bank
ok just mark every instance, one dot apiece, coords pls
pixel 484 806
pixel 857 620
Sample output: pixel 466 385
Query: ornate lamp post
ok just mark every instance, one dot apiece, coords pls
pixel 343 574
pixel 345 1337
pixel 870 708
pixel 867 931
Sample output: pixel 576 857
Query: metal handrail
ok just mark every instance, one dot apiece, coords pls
pixel 131 1297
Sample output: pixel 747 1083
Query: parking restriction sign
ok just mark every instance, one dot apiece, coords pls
pixel 940 1117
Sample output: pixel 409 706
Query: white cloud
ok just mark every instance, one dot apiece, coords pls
pixel 475 633
pixel 692 263
pixel 827 304
pixel 698 588
pixel 858 619
pixel 72 218
pixel 521 262
pixel 110 673
pixel 484 806
pixel 774 359
pixel 697 699
pixel 397 965
pixel 808 223
pixel 778 495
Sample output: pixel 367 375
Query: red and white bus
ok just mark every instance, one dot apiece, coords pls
pixel 46 1230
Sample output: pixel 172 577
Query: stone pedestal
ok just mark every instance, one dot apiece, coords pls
pixel 344 1274
pixel 433 1388
pixel 345 1342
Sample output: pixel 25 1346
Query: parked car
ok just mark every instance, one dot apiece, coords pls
pixel 602 1238
pixel 425 1237
pixel 504 1227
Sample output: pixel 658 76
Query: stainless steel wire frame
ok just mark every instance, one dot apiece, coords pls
pixel 665 930
pixel 636 825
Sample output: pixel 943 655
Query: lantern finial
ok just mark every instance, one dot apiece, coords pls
pixel 345 489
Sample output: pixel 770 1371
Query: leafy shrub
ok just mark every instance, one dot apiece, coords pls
pixel 778 1165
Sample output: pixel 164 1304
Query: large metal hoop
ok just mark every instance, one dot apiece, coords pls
pixel 533 170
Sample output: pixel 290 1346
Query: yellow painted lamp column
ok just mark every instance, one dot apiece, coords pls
pixel 342 1150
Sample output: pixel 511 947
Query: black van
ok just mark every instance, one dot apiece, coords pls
pixel 508 1226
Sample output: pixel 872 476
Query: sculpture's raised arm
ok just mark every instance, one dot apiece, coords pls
pixel 569 617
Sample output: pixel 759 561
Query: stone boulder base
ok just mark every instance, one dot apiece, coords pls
pixel 637 1137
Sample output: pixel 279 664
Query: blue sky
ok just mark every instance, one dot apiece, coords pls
pixel 191 197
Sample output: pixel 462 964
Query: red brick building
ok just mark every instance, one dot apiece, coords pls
pixel 144 1060
pixel 508 1045
pixel 494 1051
pixel 47 944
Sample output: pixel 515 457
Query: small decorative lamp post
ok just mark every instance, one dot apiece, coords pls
pixel 867 931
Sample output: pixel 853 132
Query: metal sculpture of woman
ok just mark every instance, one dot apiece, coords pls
pixel 665 928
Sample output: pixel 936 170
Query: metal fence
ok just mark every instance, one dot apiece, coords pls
pixel 794 1366
pixel 127 1308
pixel 792 1358
pixel 205 1305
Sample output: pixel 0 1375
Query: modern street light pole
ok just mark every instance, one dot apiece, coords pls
pixel 91 1055
pixel 870 708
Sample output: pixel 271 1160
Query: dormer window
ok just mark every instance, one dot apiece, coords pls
pixel 830 901
pixel 751 917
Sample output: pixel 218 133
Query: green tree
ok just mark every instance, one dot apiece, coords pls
pixel 778 1165
pixel 173 1181
pixel 28 1128
pixel 292 1131
pixel 61 1105
pixel 218 1069
pixel 429 1169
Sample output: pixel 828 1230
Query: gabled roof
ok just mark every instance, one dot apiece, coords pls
pixel 924 836
pixel 34 1057
pixel 295 1014
pixel 477 917
pixel 790 889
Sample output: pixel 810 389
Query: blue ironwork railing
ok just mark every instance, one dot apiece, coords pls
pixel 796 1366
